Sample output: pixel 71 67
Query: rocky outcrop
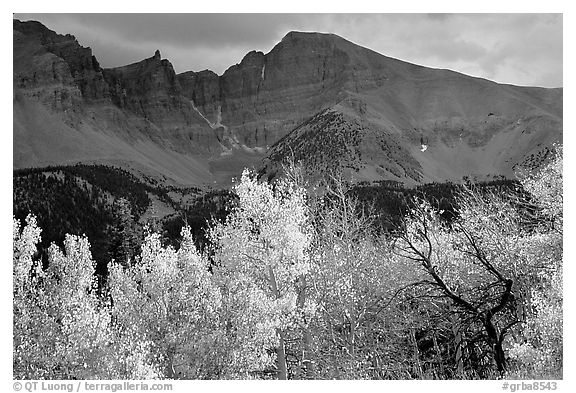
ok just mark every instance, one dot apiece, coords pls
pixel 140 104
pixel 148 88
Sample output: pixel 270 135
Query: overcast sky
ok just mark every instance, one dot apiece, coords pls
pixel 520 49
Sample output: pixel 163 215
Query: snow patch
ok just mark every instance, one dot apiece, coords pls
pixel 215 125
pixel 263 70
pixel 424 148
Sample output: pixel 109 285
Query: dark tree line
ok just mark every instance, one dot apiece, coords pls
pixel 106 204
pixel 103 203
pixel 389 202
pixel 211 206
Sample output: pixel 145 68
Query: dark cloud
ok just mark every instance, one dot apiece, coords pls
pixel 198 40
pixel 179 29
pixel 523 49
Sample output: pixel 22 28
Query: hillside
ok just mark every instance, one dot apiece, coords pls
pixel 199 128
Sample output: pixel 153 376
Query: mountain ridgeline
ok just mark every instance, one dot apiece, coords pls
pixel 316 97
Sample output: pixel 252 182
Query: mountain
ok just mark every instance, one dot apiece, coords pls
pixel 68 109
pixel 470 126
pixel 317 97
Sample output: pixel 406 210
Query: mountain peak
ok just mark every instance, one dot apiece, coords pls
pixel 252 57
pixel 157 55
pixel 294 38
pixel 291 35
pixel 42 33
pixel 301 40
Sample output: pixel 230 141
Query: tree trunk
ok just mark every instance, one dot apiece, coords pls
pixel 352 337
pixel 280 350
pixel 499 356
pixel 495 344
pixel 459 353
pixel 416 355
pixel 281 357
pixel 169 371
pixel 307 363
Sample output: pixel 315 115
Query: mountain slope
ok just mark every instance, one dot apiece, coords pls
pixel 471 126
pixel 317 96
pixel 333 141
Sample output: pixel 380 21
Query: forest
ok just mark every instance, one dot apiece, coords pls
pixel 287 279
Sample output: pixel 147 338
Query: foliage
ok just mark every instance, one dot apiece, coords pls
pixel 537 349
pixel 354 279
pixel 298 283
pixel 167 299
pixel 199 215
pixel 390 202
pixel 62 328
pixel 261 256
pixel 63 205
pixel 108 179
pixel 124 233
pixel 82 200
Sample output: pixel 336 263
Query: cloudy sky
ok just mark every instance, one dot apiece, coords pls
pixel 521 49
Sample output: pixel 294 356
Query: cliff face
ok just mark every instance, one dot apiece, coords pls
pixel 203 89
pixel 148 88
pixel 265 96
pixel 68 109
pixel 47 58
pixel 312 95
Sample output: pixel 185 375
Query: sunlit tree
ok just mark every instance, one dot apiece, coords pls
pixel 300 284
pixel 62 328
pixel 261 257
pixel 471 264
pixel 354 277
pixel 167 300
pixel 537 347
pixel 492 264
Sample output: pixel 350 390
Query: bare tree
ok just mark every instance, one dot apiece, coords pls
pixel 467 264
